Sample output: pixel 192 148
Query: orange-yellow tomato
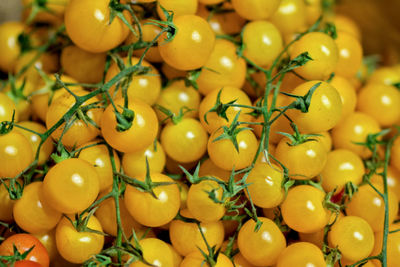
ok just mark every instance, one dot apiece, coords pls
pixel 87 24
pixel 9 45
pixel 350 55
pixel 223 68
pixel 144 87
pixel 323 51
pixel 192 45
pixel 325 108
pixel 347 94
pixel 255 9
pixel 290 16
pixel 32 214
pixel 380 101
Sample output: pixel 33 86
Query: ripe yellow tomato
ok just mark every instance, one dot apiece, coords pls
pixel 87 24
pixel 255 9
pixel 77 247
pixel 71 186
pixel 7 108
pixel 144 87
pixel 262 41
pixel 179 7
pixel 6 204
pixel 380 101
pixel 290 16
pixel 192 45
pixel 15 154
pixel 342 166
pixel 304 161
pixel 347 94
pixel 325 108
pixel 134 163
pixel 367 204
pixel 324 52
pixel 201 206
pixel 353 129
pixel 153 211
pixel 186 237
pixel 32 213
pixel 185 141
pixel 223 68
pixel 140 135
pixel 84 66
pixel 352 232
pixel 303 210
pixel 155 251
pixel 265 185
pixel 350 55
pixel 98 156
pixel 35 140
pixel 9 45
pixel 238 159
pixel 262 247
pixel 301 254
pixel 176 97
pixel 228 94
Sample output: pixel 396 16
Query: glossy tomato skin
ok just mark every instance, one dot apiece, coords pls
pixel 71 186
pixel 208 168
pixel 186 237
pixel 228 94
pixel 139 136
pixel 350 232
pixel 32 214
pixel 290 16
pixel 263 42
pixel 185 141
pixel 134 163
pixel 79 131
pixel 6 203
pixel 262 247
pixel 179 7
pixel 150 211
pixel 15 154
pixel 155 251
pixel 265 185
pixel 325 108
pixel 35 140
pixel 98 156
pixel 9 46
pixel 368 205
pixel 24 242
pixel 223 68
pixel 301 254
pixel 350 55
pixel 342 166
pixel 145 87
pixel 304 161
pixel 384 75
pixel 8 107
pixel 380 101
pixel 201 206
pixel 355 128
pixel 87 24
pixel 106 214
pixel 238 159
pixel 347 94
pixel 303 210
pixel 322 49
pixel 77 247
pixel 84 66
pixel 255 9
pixel 393 243
pixel 192 45
pixel 196 259
pixel 177 96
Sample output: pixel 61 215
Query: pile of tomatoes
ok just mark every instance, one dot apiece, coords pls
pixel 195 133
